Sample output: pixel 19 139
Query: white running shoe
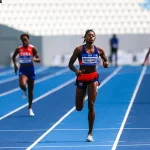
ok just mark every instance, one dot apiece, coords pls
pixel 97 89
pixel 24 94
pixel 31 112
pixel 89 138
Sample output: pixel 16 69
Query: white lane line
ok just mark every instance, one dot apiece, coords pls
pixel 1 67
pixel 79 146
pixel 23 130
pixel 133 145
pixel 70 111
pixel 16 77
pixel 13 147
pixel 12 71
pixel 97 129
pixel 53 75
pixel 37 81
pixel 40 97
pixel 98 145
pixel 73 146
pixel 67 146
pixel 129 108
pixel 8 79
pixel 6 72
pixel 110 76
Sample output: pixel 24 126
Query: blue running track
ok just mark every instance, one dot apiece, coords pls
pixel 122 111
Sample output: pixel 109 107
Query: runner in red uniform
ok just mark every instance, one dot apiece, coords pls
pixel 27 55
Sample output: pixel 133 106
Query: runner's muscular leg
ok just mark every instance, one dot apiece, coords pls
pixel 80 97
pixel 30 92
pixel 23 81
pixel 92 93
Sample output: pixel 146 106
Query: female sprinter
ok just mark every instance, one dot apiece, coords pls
pixel 87 76
pixel 27 55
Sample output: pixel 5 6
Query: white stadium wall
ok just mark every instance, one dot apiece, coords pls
pixel 56 50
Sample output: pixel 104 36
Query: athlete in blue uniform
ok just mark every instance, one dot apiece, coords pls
pixel 114 45
pixel 87 76
pixel 27 55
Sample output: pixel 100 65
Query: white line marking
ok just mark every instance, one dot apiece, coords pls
pixel 134 145
pixel 23 130
pixel 1 67
pixel 119 141
pixel 41 69
pixel 52 75
pixel 37 81
pixel 140 142
pixel 67 146
pixel 6 72
pixel 71 110
pixel 16 77
pixel 11 71
pixel 77 146
pixel 129 108
pixel 137 128
pixel 102 145
pixel 97 129
pixel 8 79
pixel 40 97
pixel 13 147
pixel 110 76
pixel 103 129
pixel 73 146
pixel 106 129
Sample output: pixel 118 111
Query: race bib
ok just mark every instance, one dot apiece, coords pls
pixel 25 59
pixel 89 59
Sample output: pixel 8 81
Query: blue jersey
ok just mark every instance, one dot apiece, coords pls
pixel 86 59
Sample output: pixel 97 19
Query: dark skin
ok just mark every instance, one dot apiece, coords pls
pixel 23 80
pixel 146 57
pixel 92 87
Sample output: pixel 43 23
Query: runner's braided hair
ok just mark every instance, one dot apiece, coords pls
pixel 86 32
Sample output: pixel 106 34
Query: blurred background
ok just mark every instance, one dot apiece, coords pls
pixel 56 27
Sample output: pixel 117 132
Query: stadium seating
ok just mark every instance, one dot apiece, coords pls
pixel 71 17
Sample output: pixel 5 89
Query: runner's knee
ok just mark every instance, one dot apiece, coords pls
pixel 22 86
pixel 90 106
pixel 79 104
